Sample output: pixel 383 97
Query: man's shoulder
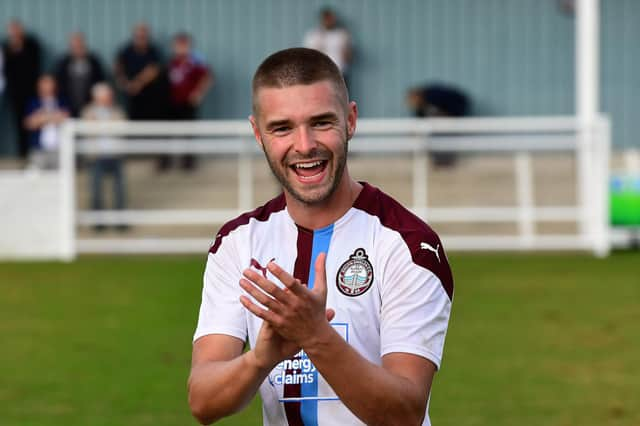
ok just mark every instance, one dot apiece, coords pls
pixel 261 214
pixel 391 213
pixel 421 240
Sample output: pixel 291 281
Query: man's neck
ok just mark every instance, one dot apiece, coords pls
pixel 324 214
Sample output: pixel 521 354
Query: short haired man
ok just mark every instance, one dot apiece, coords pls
pixel 342 293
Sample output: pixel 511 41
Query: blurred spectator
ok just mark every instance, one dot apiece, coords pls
pixel 103 108
pixel 331 39
pixel 138 72
pixel 437 100
pixel 189 79
pixel 77 72
pixel 21 70
pixel 45 113
pixel 1 73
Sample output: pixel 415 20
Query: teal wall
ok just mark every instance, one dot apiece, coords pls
pixel 515 57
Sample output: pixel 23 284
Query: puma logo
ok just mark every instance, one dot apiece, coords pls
pixel 427 246
pixel 259 267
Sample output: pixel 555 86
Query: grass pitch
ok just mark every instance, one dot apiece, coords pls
pixel 548 339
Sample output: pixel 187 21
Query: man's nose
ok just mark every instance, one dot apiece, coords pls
pixel 304 140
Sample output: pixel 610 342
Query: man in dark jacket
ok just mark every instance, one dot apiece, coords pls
pixel 77 72
pixel 21 70
pixel 140 75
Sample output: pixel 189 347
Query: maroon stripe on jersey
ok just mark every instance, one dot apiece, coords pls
pixel 301 272
pixel 261 213
pixel 413 230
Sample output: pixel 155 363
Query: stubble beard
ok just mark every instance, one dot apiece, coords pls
pixel 339 161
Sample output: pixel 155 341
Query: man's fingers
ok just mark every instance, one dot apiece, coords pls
pixel 286 278
pixel 262 298
pixel 265 284
pixel 268 316
pixel 320 283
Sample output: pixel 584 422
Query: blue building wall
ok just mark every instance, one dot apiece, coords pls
pixel 514 57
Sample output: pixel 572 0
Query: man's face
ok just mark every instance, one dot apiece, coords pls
pixel 141 36
pixel 181 47
pixel 46 87
pixel 15 31
pixel 77 45
pixel 304 131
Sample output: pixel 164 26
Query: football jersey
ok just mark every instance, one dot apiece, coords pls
pixel 388 280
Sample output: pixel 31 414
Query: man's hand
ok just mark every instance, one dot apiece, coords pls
pixel 295 313
pixel 271 348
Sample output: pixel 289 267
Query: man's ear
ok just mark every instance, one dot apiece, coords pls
pixel 352 117
pixel 256 130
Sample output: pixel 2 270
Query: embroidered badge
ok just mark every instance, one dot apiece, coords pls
pixel 355 276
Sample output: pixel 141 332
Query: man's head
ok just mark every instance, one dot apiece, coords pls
pixel 46 86
pixel 182 45
pixel 15 31
pixel 102 95
pixel 141 36
pixel 77 45
pixel 297 66
pixel 328 18
pixel 302 119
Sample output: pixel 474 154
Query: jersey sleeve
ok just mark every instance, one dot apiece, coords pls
pixel 415 307
pixel 221 311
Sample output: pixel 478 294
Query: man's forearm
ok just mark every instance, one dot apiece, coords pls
pixel 221 388
pixel 374 394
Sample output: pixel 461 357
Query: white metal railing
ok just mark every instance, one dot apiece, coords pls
pixel 590 143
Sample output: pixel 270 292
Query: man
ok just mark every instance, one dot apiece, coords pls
pixel 104 108
pixel 21 71
pixel 342 293
pixel 77 72
pixel 189 80
pixel 332 40
pixel 138 74
pixel 439 100
pixel 45 114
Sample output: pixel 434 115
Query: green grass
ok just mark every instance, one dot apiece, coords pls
pixel 534 340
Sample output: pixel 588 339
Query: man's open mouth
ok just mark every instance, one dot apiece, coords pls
pixel 309 169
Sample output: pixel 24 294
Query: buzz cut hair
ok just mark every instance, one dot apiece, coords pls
pixel 297 66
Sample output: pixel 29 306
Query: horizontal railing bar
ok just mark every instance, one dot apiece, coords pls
pixel 454 243
pixel 209 216
pixel 405 126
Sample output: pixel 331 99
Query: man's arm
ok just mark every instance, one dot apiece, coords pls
pixel 394 393
pixel 223 379
pixel 204 84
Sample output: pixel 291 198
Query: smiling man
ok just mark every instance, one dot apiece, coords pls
pixel 343 295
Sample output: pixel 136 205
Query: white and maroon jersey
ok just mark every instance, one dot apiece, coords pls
pixel 388 280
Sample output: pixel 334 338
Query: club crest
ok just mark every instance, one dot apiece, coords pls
pixel 355 276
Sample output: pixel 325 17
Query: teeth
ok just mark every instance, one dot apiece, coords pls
pixel 308 165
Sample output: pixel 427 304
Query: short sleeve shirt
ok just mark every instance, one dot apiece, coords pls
pixel 388 280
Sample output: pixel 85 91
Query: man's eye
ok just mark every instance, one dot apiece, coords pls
pixel 282 129
pixel 322 124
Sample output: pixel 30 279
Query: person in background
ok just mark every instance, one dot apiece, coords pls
pixel 21 70
pixel 189 80
pixel 77 72
pixel 138 72
pixel 2 83
pixel 103 108
pixel 44 115
pixel 439 100
pixel 333 40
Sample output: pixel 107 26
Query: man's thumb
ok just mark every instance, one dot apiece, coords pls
pixel 330 313
pixel 320 282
